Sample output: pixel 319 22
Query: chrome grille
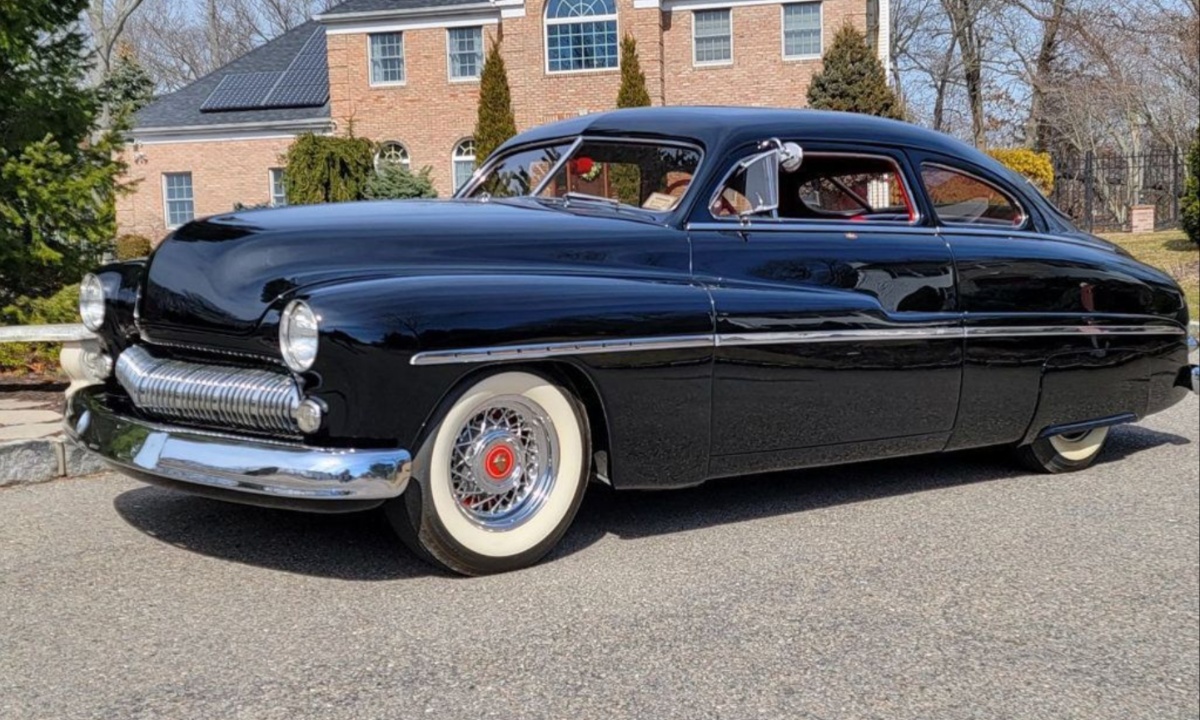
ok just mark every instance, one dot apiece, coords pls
pixel 210 394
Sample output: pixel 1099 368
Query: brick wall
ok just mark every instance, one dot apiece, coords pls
pixel 430 114
pixel 223 174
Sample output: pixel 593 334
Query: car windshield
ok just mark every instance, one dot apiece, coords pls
pixel 647 175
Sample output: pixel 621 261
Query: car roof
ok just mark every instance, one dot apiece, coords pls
pixel 718 128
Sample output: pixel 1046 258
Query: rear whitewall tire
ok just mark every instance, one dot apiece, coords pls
pixel 435 514
pixel 1064 453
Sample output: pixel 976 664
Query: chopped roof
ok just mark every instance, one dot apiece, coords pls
pixel 182 108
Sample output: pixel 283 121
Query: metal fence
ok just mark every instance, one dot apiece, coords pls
pixel 1098 189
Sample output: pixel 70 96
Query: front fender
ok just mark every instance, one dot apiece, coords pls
pixel 656 400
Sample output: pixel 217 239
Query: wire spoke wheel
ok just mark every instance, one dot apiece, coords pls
pixel 503 462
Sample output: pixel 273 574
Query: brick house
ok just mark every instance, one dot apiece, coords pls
pixel 405 73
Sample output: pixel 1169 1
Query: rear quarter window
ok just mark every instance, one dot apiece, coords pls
pixel 960 198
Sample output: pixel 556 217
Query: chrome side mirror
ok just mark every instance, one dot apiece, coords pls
pixel 760 178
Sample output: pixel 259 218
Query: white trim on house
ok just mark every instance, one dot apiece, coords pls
pixel 386 26
pixel 228 132
pixel 374 16
pixel 690 5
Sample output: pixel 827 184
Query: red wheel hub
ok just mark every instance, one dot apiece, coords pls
pixel 498 463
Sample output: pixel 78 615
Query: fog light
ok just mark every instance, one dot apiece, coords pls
pixel 308 415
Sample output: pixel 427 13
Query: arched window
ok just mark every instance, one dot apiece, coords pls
pixel 464 162
pixel 581 35
pixel 391 153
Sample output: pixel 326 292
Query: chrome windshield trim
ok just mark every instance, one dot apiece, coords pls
pixel 537 351
pixel 537 191
pixel 573 143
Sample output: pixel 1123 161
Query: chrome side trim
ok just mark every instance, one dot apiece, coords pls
pixel 548 350
pixel 675 342
pixel 829 336
pixel 228 462
pixel 1053 330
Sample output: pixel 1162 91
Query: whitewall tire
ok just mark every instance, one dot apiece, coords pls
pixel 499 480
pixel 1064 453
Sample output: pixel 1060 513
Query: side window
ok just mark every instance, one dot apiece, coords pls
pixel 962 199
pixel 831 186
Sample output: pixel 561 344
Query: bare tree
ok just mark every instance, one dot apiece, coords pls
pixel 107 20
pixel 179 45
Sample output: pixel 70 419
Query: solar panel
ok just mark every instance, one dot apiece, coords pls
pixel 313 52
pixel 301 87
pixel 241 91
pixel 305 83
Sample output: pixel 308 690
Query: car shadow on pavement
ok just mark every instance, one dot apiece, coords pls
pixel 731 500
pixel 361 546
pixel 354 546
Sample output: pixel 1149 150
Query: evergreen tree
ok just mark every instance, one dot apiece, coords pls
pixel 324 169
pixel 633 91
pixel 1190 203
pixel 494 123
pixel 58 167
pixel 396 182
pixel 128 87
pixel 852 79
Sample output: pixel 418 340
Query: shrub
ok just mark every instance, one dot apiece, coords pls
pixel 396 182
pixel 321 168
pixel 61 307
pixel 1034 165
pixel 131 245
pixel 1189 204
pixel 852 79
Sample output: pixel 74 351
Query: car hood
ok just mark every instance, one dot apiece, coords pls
pixel 229 272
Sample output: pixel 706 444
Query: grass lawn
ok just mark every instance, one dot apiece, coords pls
pixel 1171 251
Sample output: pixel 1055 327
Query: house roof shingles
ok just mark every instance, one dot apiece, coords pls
pixel 182 107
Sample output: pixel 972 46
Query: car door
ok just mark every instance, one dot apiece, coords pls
pixel 838 336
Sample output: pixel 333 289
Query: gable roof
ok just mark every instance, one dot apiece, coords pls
pixel 182 108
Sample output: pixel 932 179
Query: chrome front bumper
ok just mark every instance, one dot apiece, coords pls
pixel 231 467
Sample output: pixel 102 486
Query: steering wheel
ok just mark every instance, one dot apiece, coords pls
pixel 681 183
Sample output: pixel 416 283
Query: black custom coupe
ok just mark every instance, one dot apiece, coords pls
pixel 645 298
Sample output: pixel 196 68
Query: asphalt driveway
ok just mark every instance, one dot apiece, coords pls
pixel 944 587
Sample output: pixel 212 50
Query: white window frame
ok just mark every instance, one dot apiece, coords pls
pixel 783 29
pixel 167 201
pixel 450 58
pixel 548 21
pixel 403 61
pixel 712 63
pixel 455 159
pixel 406 163
pixel 271 187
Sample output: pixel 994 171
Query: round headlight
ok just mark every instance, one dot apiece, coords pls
pixel 91 302
pixel 298 336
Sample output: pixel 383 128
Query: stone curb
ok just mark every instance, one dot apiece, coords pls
pixel 26 462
